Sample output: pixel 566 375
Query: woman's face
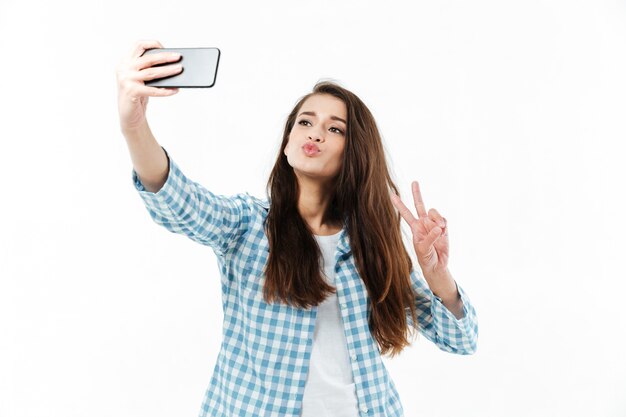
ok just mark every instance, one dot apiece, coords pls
pixel 317 139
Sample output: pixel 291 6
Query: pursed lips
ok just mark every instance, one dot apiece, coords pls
pixel 310 147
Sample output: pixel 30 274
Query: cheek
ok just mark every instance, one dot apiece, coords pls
pixel 288 145
pixel 340 152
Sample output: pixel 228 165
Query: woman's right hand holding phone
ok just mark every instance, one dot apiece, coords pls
pixel 132 72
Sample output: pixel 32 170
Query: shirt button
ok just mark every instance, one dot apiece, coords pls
pixel 364 409
pixel 353 357
pixel 343 305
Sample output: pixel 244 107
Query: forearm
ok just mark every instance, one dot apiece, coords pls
pixel 444 286
pixel 454 304
pixel 148 158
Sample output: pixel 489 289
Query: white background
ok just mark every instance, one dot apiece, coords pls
pixel 509 114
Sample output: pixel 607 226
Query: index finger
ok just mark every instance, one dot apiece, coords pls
pixel 141 46
pixel 402 209
pixel 417 198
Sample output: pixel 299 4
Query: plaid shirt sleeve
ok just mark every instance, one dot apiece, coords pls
pixel 185 207
pixel 439 325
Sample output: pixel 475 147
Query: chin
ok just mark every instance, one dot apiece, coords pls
pixel 320 176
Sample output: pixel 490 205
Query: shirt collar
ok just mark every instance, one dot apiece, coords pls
pixel 343 246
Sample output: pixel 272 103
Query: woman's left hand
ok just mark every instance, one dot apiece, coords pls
pixel 430 239
pixel 430 234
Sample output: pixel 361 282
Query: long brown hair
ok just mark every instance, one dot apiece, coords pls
pixel 359 200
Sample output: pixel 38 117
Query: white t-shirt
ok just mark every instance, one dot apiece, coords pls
pixel 330 388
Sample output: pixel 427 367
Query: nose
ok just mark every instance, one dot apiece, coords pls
pixel 315 136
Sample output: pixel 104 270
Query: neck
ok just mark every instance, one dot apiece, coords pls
pixel 313 200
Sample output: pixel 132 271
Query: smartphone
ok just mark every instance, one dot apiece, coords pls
pixel 199 68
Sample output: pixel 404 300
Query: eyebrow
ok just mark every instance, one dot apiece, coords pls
pixel 312 113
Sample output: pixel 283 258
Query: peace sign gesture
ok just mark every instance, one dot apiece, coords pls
pixel 430 234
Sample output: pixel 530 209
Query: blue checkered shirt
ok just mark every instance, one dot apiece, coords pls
pixel 262 366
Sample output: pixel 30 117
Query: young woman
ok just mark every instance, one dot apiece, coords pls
pixel 316 281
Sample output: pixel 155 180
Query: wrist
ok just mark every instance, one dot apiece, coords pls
pixel 443 285
pixel 450 296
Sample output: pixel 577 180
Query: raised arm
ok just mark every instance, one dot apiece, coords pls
pixel 148 158
pixel 173 200
pixel 453 331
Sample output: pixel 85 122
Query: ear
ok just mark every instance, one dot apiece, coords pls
pixel 285 151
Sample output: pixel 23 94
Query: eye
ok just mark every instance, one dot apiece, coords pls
pixel 306 121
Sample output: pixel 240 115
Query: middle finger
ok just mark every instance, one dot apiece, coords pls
pixel 417 198
pixel 150 60
pixel 152 73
